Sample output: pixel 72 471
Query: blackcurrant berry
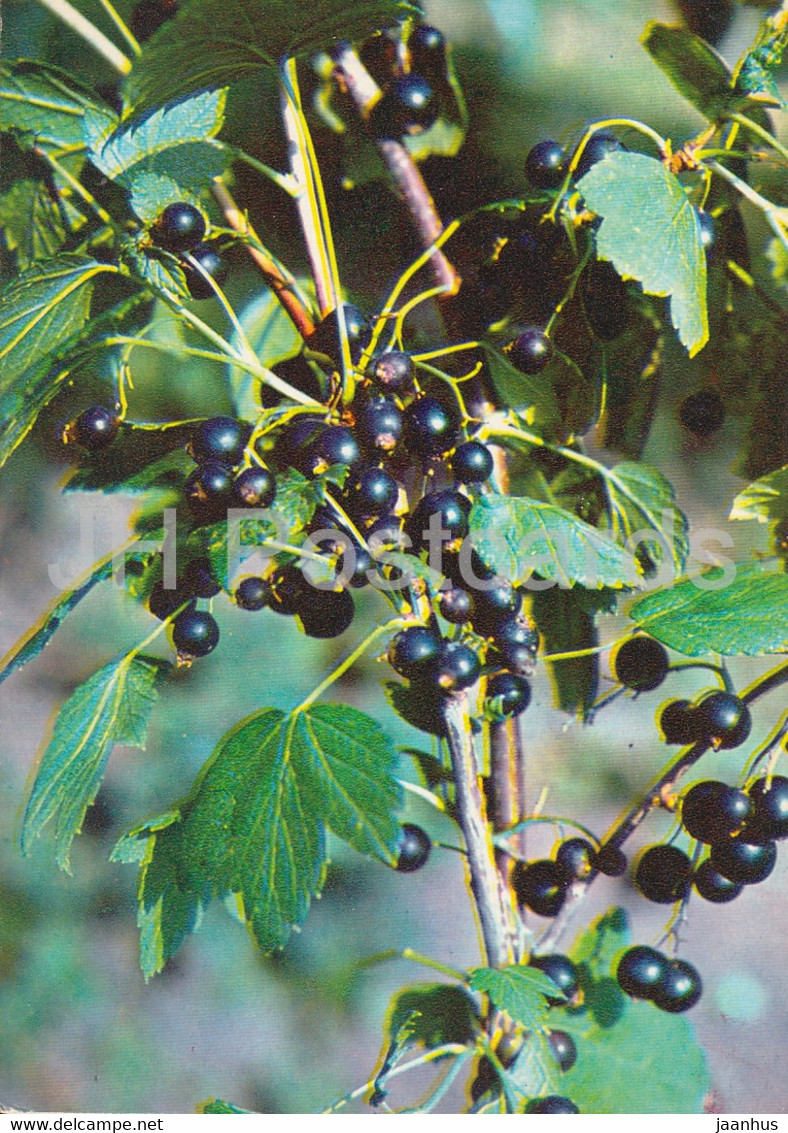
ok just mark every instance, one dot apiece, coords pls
pixel 325 339
pixel 641 663
pixel 541 886
pixel 747 862
pixel 208 491
pixel 374 492
pixel 544 164
pixel 253 593
pixel 576 856
pixel 393 370
pixel 413 848
pixel 552 1103
pixel 604 295
pixel 427 47
pixel 678 722
pixel 220 438
pixel 513 693
pixel 599 145
pixel 209 259
pixel 724 719
pixel 335 444
pixel 328 615
pixel 198 579
pixel 455 605
pixel 640 971
pixel 413 651
pixel 496 605
pixel 702 413
pixel 95 428
pixel 531 351
pixel 472 463
pixel 679 989
pixel 195 633
pixel 430 429
pixel 363 564
pixel 564 1050
pixel 379 423
pixel 444 513
pixel 149 15
pixel 516 631
pixel 456 667
pixel 560 969
pixel 254 487
pixel 409 106
pixel 291 448
pixel 712 886
pixel 181 226
pixel 711 811
pixel 289 590
pixel 769 798
pixel 610 861
pixel 163 602
pixel 662 874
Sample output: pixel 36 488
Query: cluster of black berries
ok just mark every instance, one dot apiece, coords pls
pixel 195 632
pixel 670 984
pixel 411 81
pixel 541 885
pixel 180 229
pixel 564 974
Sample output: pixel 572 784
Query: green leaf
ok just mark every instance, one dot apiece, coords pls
pixel 39 309
pixel 517 537
pixel 47 626
pixel 417 707
pixel 32 224
pixel 216 1105
pixel 163 156
pixel 534 397
pixel 111 707
pixel 45 106
pixel 749 615
pixel 765 499
pixel 212 43
pixel 650 232
pixel 140 457
pixel 432 1014
pixel 519 990
pixel 693 67
pixel 566 622
pixel 255 822
pixel 642 499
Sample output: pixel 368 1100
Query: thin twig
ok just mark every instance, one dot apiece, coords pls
pixel 90 33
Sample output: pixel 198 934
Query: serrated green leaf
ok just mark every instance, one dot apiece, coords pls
pixel 693 67
pixel 32 225
pixel 765 499
pixel 111 707
pixel 519 990
pixel 39 310
pixel 45 106
pixel 642 499
pixel 255 822
pixel 749 615
pixel 47 626
pixel 534 397
pixel 433 1014
pixel 650 232
pixel 212 43
pixel 516 536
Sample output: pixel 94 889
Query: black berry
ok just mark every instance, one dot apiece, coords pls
pixel 456 667
pixel 531 351
pixel 393 370
pixel 444 513
pixel 702 413
pixel 180 227
pixel 195 633
pixel 163 601
pixel 678 722
pixel 472 463
pixel 208 490
pixel 544 164
pixel 564 1050
pixel 769 799
pixel 332 444
pixel 712 886
pixel 576 856
pixel 679 989
pixel 413 651
pixel 198 579
pixel 430 429
pixel 724 719
pixel 552 1103
pixel 560 969
pixel 541 887
pixel 95 428
pixel 409 106
pixel 640 971
pixel 496 605
pixel 610 861
pixel 253 593
pixel 290 591
pixel 455 605
pixel 325 339
pixel 511 691
pixel 599 145
pixel 328 615
pixel 379 423
pixel 374 492
pixel 254 487
pixel 711 811
pixel 209 259
pixel 413 848
pixel 746 862
pixel 641 663
pixel 427 47
pixel 708 231
pixel 220 438
pixel 662 874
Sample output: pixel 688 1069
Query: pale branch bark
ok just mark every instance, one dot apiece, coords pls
pixel 405 173
pixel 281 286
pixel 491 897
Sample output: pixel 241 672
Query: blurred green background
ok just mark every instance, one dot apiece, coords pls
pixel 80 1028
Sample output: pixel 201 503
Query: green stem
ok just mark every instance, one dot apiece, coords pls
pixel 348 663
pixel 78 188
pixel 510 831
pixel 417 958
pixel 723 674
pixel 90 33
pixel 776 218
pixel 764 135
pixel 121 26
pixel 284 181
pixel 403 1068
